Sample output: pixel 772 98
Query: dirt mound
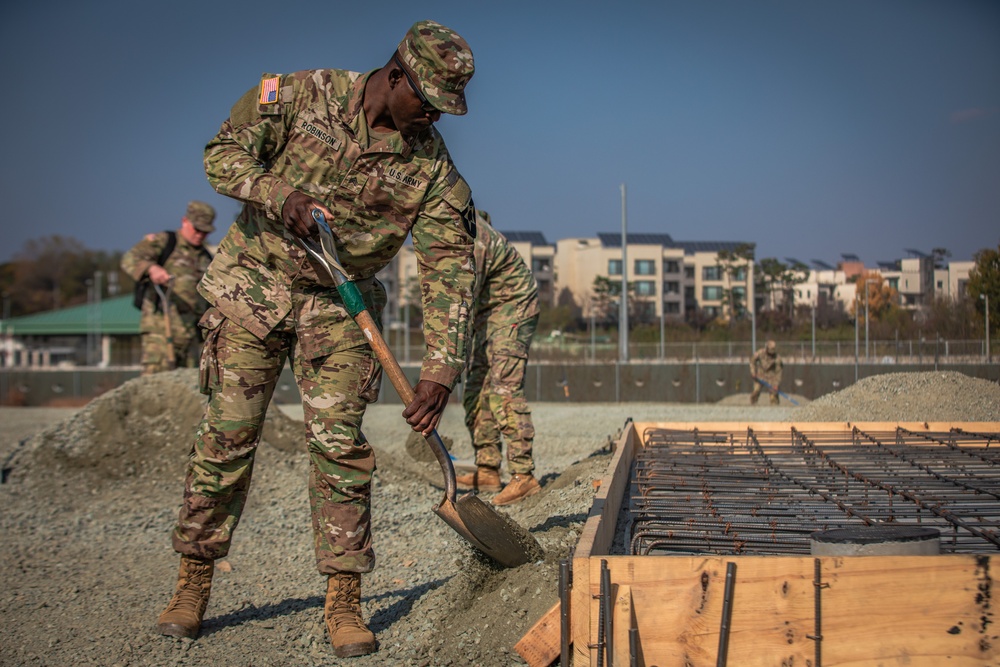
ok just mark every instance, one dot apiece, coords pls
pixel 928 396
pixel 140 430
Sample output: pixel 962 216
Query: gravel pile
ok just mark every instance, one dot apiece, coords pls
pixel 89 502
pixel 934 396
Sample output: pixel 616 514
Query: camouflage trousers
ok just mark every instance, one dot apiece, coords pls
pixel 160 354
pixel 494 402
pixel 757 387
pixel 239 372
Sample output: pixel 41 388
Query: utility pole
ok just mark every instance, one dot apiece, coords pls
pixel 623 316
pixel 753 307
pixel 989 352
pixel 856 337
pixel 867 280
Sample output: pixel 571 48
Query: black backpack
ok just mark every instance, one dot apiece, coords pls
pixel 143 283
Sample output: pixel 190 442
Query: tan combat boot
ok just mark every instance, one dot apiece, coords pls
pixel 484 479
pixel 348 633
pixel 182 617
pixel 518 488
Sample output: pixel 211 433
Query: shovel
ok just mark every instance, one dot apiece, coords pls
pixel 165 307
pixel 480 524
pixel 767 385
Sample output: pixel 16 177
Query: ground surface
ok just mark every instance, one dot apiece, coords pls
pixel 90 496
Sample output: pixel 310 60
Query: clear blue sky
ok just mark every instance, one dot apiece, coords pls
pixel 812 128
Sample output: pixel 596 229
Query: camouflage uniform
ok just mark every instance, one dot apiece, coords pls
pixel 767 366
pixel 271 303
pixel 187 264
pixel 504 321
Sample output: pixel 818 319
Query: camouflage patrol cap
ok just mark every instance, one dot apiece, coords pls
pixel 201 215
pixel 442 62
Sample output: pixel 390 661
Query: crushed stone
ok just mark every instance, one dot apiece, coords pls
pixel 90 501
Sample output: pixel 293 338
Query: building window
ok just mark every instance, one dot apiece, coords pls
pixel 940 284
pixel 711 273
pixel 671 287
pixel 711 311
pixel 540 264
pixel 740 293
pixel 645 267
pixel 740 273
pixel 645 287
pixel 711 293
pixel 614 267
pixel 689 293
pixel 689 272
pixel 670 266
pixel 672 307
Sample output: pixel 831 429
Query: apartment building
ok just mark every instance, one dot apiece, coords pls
pixel 402 284
pixel 671 278
pixel 674 279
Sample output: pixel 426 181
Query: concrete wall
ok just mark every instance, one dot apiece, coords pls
pixel 676 382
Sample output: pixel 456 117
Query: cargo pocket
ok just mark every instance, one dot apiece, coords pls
pixel 371 381
pixel 210 326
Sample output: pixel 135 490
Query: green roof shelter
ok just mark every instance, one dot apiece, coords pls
pixel 95 334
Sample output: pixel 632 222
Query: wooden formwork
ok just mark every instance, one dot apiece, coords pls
pixel 792 611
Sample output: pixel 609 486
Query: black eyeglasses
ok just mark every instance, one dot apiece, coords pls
pixel 425 106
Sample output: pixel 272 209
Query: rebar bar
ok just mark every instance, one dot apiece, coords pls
pixel 767 492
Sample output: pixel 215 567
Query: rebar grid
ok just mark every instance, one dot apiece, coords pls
pixel 767 492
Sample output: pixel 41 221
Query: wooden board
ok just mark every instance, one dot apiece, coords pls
pixel 921 611
pixel 541 645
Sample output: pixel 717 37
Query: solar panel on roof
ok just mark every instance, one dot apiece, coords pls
pixel 820 264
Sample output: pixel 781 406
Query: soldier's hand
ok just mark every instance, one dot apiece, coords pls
pixel 158 275
pixel 429 401
pixel 296 214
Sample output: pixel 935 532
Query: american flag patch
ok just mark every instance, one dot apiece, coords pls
pixel 269 90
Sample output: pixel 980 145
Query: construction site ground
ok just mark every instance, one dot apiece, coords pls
pixel 90 495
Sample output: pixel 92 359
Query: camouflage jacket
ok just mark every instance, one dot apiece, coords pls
pixel 187 264
pixel 505 289
pixel 765 366
pixel 314 138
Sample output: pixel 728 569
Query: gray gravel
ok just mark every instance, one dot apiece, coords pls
pixel 90 501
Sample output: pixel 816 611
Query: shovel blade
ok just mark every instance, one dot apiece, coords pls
pixel 489 531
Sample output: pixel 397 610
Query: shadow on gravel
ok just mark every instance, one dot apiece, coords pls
pixel 252 613
pixel 383 618
pixel 562 521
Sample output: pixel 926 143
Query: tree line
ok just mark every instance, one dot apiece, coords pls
pixel 56 272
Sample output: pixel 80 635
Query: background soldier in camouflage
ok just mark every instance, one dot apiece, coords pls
pixel 505 318
pixel 362 149
pixel 182 269
pixel 766 364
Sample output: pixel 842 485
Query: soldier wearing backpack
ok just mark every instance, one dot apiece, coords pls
pixel 166 268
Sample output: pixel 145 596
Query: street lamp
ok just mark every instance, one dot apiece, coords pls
pixel 856 336
pixel 867 280
pixel 989 352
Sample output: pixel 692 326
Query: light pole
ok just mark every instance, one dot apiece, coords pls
pixel 856 337
pixel 623 317
pixel 989 352
pixel 814 331
pixel 867 280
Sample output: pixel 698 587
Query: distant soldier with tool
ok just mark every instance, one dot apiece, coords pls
pixel 505 316
pixel 766 365
pixel 166 268
pixel 362 149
